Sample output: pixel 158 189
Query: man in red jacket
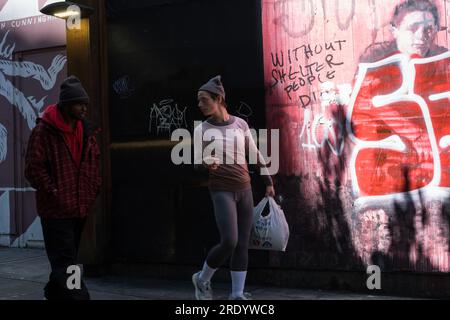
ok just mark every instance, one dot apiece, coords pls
pixel 62 164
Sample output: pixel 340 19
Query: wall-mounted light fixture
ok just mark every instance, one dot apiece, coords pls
pixel 66 9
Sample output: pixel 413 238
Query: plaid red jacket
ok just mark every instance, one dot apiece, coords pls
pixel 63 189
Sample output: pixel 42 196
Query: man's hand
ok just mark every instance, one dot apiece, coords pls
pixel 270 191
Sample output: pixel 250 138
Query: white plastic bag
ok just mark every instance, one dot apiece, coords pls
pixel 269 232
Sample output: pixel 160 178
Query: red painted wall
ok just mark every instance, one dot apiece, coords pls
pixel 364 147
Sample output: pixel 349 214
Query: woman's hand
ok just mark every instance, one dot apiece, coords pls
pixel 270 191
pixel 212 167
pixel 211 163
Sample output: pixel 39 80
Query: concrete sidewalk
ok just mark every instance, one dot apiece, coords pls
pixel 24 272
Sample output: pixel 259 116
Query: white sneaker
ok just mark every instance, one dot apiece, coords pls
pixel 244 296
pixel 203 289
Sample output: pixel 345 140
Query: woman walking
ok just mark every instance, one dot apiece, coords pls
pixel 230 188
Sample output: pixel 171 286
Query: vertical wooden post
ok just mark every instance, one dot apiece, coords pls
pixel 87 59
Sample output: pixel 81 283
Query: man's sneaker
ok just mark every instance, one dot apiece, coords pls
pixel 203 289
pixel 245 296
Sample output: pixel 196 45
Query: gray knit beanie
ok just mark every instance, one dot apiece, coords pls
pixel 215 86
pixel 72 91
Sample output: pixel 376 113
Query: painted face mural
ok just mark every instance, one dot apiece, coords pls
pixel 415 33
pixel 361 99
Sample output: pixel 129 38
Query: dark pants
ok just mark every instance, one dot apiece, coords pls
pixel 62 240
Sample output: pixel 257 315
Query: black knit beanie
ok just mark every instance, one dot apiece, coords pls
pixel 72 91
pixel 215 86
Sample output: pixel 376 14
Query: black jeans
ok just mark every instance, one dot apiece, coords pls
pixel 62 240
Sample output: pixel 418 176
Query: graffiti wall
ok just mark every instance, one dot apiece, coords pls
pixel 360 91
pixel 32 63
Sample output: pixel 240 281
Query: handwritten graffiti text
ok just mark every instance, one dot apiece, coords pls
pixel 292 75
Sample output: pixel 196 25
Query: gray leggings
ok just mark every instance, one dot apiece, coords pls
pixel 234 218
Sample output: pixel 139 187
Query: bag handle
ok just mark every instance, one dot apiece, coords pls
pixel 273 203
pixel 260 207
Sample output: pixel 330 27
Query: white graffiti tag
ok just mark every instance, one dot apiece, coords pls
pixel 167 116
pixel 323 128
pixel 403 126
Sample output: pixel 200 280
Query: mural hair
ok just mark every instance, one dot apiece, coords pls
pixel 408 6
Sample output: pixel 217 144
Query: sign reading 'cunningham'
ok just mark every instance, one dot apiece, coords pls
pixel 28 27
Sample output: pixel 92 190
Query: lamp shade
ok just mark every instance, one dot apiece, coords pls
pixel 62 9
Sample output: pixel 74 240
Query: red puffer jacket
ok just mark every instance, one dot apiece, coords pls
pixel 64 190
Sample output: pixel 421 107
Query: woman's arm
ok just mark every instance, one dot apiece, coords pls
pixel 202 164
pixel 254 154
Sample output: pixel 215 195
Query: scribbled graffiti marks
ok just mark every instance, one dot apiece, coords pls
pixel 399 125
pixel 244 110
pixel 302 22
pixel 123 87
pixel 166 116
pixel 322 130
pixel 325 128
pixel 286 21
